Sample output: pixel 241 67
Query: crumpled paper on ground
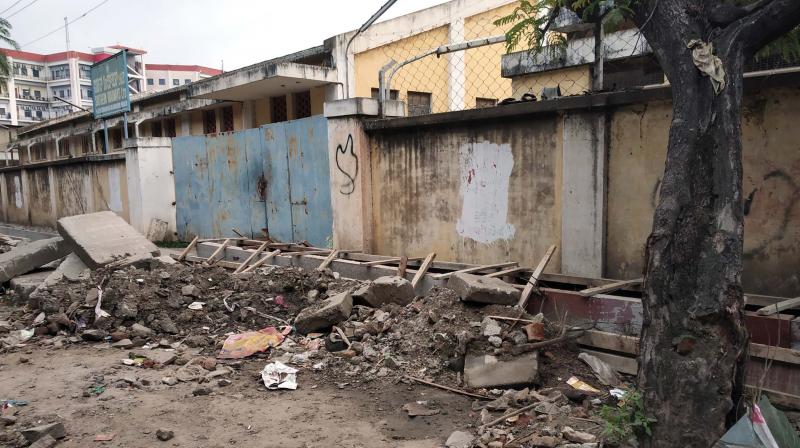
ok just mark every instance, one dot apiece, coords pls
pixel 242 345
pixel 277 375
pixel 705 60
pixel 604 372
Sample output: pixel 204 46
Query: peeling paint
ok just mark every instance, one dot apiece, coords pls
pixel 17 192
pixel 485 173
pixel 115 190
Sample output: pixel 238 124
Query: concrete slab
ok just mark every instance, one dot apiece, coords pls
pixel 24 259
pixel 487 371
pixel 326 314
pixel 24 285
pixel 480 289
pixel 103 238
pixel 388 289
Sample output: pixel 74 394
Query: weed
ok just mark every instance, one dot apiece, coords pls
pixel 627 420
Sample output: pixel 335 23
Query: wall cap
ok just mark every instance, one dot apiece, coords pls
pixel 351 106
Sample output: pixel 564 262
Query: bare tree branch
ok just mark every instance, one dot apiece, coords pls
pixel 769 20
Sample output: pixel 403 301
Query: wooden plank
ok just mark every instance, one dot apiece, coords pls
pixel 306 252
pixel 325 263
pixel 401 268
pixel 475 269
pixel 221 248
pixel 610 341
pixel 423 269
pixel 609 288
pixel 534 280
pixel 191 245
pixel 262 261
pixel 251 257
pixel 222 263
pixel 238 232
pixel 777 398
pixel 780 306
pixel 505 272
pixel 390 260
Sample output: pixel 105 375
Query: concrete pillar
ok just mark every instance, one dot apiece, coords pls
pixel 51 180
pixel 456 67
pixel 583 194
pixel 351 177
pixel 151 185
pixel 249 114
pixel 186 123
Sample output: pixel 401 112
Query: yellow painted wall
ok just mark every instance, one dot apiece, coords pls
pixel 317 100
pixel 196 122
pixel 237 116
pixel 573 81
pixel 482 65
pixel 262 111
pixel 427 75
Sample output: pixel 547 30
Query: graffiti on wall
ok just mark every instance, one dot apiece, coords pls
pixel 485 170
pixel 350 172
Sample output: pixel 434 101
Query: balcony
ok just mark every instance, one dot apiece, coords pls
pixel 41 99
pixel 30 77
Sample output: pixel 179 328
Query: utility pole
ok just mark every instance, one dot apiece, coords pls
pixel 66 30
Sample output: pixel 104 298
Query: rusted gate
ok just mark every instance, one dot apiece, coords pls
pixel 274 177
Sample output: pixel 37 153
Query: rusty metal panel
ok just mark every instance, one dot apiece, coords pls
pixel 309 180
pixel 276 173
pixel 192 187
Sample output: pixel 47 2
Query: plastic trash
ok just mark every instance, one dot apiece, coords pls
pixel 242 345
pixel 277 375
pixel 604 372
pixel 580 385
pixel 196 306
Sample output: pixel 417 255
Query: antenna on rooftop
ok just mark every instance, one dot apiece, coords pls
pixel 66 31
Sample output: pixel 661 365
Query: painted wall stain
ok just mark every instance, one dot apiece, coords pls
pixel 485 173
pixel 115 190
pixel 17 192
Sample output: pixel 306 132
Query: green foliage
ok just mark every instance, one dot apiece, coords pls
pixel 627 420
pixel 5 38
pixel 529 21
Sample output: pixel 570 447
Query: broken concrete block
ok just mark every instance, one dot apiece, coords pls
pixel 140 331
pixel 480 289
pixel 54 430
pixel 93 335
pixel 325 314
pixel 24 285
pixel 44 442
pixel 486 371
pixel 24 259
pixel 490 327
pixel 459 439
pixel 389 289
pixel 190 291
pixel 577 436
pixel 103 238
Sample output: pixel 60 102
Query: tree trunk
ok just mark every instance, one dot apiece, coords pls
pixel 693 338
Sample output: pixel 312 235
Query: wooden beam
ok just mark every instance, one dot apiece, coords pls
pixel 222 263
pixel 610 341
pixel 505 272
pixel 191 245
pixel 262 261
pixel 328 260
pixel 475 269
pixel 609 288
pixel 251 258
pixel 401 268
pixel 534 280
pixel 780 306
pixel 423 269
pixel 389 260
pixel 221 248
pixel 307 252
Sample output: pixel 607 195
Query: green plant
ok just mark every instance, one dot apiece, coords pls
pixel 627 420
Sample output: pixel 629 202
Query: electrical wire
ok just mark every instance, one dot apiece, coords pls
pixel 20 10
pixel 12 5
pixel 67 24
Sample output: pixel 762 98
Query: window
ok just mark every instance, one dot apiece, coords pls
pixel 26 93
pixel 35 72
pixel 278 108
pixel 150 81
pixel 85 71
pixel 419 103
pixel 227 119
pixel 187 81
pixel 481 103
pixel 302 104
pixel 393 94
pixel 63 148
pixel 59 71
pixel 162 81
pixel 176 82
pixel 155 129
pixel 209 122
pixel 25 70
pixel 38 114
pixel 169 127
pixel 37 94
pixel 28 113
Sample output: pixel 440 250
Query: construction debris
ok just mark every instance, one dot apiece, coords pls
pixel 487 371
pixel 325 314
pixel 388 289
pixel 481 289
pixel 26 258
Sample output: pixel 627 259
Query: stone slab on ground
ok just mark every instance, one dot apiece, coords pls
pixel 480 289
pixel 389 289
pixel 44 442
pixel 54 430
pixel 487 371
pixel 24 259
pixel 24 285
pixel 325 314
pixel 103 238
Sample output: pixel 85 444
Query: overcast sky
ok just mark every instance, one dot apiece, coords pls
pixel 204 32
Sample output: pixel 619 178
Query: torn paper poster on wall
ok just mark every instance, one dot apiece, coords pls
pixel 485 170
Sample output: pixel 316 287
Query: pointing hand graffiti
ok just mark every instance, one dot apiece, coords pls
pixel 348 187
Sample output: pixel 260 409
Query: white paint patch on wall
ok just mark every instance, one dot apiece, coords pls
pixel 114 190
pixel 17 192
pixel 485 175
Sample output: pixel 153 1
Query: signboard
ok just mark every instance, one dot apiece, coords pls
pixel 110 92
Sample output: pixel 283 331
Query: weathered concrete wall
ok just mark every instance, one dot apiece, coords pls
pixel 476 193
pixel 39 195
pixel 637 150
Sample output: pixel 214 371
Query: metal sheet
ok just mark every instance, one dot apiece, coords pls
pixel 192 193
pixel 276 172
pixel 312 216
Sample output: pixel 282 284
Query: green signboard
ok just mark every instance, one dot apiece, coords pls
pixel 111 95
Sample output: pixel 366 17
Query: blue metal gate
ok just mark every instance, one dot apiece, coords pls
pixel 274 178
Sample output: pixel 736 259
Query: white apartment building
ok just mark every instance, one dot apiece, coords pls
pixel 42 86
pixel 166 76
